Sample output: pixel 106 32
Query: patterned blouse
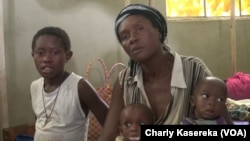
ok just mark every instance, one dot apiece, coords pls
pixel 187 70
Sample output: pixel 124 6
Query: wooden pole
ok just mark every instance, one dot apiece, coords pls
pixel 151 2
pixel 4 116
pixel 233 38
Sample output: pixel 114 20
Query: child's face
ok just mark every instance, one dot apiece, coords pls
pixel 50 56
pixel 131 121
pixel 209 100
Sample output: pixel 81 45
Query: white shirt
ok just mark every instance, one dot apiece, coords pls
pixel 67 122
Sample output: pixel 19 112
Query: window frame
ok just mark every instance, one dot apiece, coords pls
pixel 240 16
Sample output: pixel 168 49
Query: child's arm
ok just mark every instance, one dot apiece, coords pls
pixel 90 100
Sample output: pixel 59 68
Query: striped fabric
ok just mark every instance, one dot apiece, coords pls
pixel 192 69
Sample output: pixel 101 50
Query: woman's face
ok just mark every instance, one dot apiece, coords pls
pixel 139 38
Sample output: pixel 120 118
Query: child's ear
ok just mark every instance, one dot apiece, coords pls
pixel 120 128
pixel 69 54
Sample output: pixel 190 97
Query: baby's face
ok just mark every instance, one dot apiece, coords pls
pixel 209 101
pixel 131 121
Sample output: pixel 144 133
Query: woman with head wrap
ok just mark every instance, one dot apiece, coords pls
pixel 157 76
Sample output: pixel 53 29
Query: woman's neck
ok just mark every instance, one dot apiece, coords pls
pixel 158 67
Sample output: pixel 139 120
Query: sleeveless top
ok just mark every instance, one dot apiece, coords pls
pixel 186 72
pixel 68 121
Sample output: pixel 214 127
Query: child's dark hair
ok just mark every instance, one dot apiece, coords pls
pixel 56 31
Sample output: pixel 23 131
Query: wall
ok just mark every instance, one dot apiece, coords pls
pixel 211 41
pixel 90 24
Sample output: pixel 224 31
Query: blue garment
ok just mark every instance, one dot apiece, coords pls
pixel 23 137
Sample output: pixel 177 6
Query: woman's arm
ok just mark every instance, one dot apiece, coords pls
pixel 111 130
pixel 207 72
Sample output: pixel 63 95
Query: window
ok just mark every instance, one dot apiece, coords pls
pixel 206 8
